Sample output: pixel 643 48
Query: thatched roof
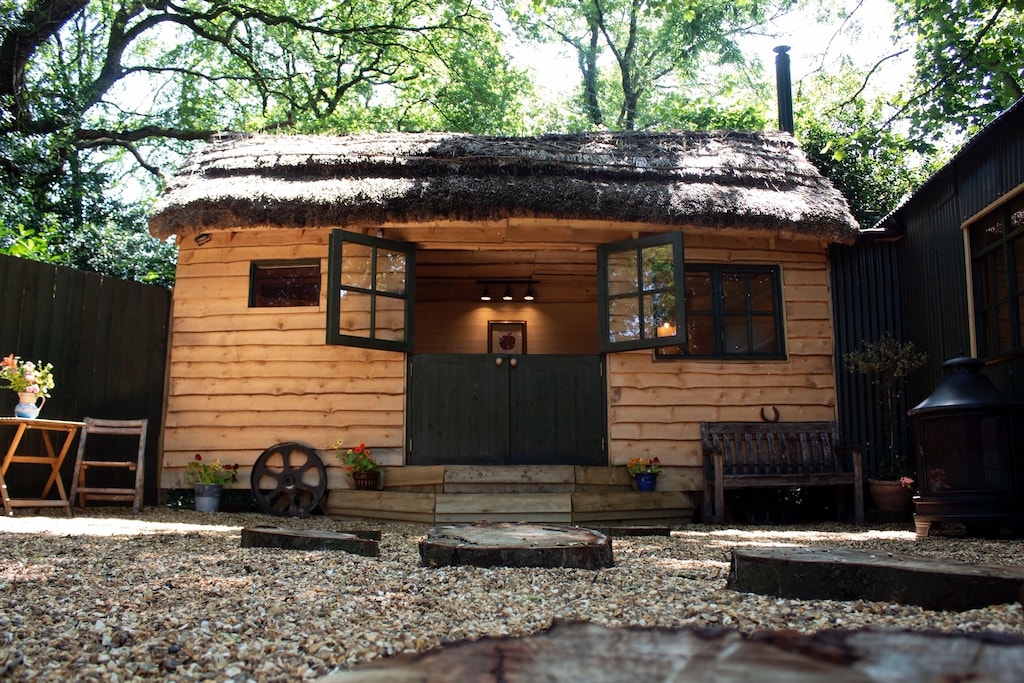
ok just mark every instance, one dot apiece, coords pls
pixel 759 181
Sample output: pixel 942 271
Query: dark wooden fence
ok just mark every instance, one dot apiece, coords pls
pixel 107 341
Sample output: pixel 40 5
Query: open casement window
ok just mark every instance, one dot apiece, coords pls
pixel 640 291
pixel 370 292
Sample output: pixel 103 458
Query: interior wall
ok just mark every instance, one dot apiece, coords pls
pixel 461 327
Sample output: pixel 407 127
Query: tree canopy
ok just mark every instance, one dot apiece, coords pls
pixel 68 68
pixel 968 61
pixel 638 59
pixel 92 92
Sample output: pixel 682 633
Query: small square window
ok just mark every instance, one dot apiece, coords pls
pixel 284 283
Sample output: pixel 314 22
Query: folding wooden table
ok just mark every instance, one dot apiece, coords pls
pixel 53 457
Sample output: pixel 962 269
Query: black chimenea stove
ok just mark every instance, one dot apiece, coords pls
pixel 970 464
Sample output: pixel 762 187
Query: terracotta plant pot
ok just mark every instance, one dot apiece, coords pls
pixel 891 496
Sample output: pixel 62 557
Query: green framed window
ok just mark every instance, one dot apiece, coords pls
pixel 640 292
pixel 732 312
pixel 997 264
pixel 370 292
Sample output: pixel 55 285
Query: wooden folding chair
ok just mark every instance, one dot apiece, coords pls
pixel 95 426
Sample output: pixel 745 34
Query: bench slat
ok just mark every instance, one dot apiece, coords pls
pixel 773 454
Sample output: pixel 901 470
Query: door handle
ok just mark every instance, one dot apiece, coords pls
pixel 499 361
pixel 513 362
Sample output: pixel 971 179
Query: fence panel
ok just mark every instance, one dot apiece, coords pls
pixel 107 340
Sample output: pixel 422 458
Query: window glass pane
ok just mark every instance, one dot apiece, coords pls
pixel 285 284
pixel 658 267
pixel 355 314
pixel 390 318
pixel 356 265
pixel 623 320
pixel 987 231
pixel 622 272
pixel 390 271
pixel 761 292
pixel 698 291
pixel 1016 215
pixel 762 328
pixel 1018 263
pixel 734 292
pixel 735 328
pixel 1003 329
pixel 663 308
pixel 701 340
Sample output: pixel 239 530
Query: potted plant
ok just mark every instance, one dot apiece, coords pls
pixel 644 472
pixel 208 480
pixel 31 381
pixel 361 465
pixel 889 361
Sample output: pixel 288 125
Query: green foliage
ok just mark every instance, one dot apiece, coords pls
pixel 969 61
pixel 887 359
pixel 656 48
pixel 90 90
pixel 847 139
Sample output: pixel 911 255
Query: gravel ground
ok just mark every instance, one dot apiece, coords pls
pixel 171 595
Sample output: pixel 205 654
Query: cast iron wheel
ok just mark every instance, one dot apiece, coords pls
pixel 288 480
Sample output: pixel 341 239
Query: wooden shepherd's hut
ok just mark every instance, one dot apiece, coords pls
pixel 331 288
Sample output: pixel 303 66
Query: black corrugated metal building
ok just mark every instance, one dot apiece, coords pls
pixel 945 270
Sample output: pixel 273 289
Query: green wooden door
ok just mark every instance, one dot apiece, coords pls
pixel 556 411
pixel 505 410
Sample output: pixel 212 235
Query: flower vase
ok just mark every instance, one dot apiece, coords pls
pixel 890 496
pixel 26 406
pixel 366 481
pixel 645 481
pixel 208 497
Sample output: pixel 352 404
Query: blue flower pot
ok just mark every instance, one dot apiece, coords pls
pixel 645 481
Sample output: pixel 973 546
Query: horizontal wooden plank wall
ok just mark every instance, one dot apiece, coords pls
pixel 656 407
pixel 243 379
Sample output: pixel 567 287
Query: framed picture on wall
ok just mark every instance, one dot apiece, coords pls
pixel 506 336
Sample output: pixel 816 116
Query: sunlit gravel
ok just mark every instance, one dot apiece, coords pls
pixel 171 595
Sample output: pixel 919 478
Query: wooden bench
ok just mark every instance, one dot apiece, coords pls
pixel 776 454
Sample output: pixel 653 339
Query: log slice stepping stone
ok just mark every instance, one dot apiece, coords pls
pixel 570 652
pixel 311 539
pixel 844 574
pixel 507 544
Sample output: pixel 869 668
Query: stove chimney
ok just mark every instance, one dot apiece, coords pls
pixel 784 86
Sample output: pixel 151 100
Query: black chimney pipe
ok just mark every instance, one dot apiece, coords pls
pixel 783 83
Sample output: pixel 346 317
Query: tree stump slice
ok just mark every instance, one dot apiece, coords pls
pixel 841 574
pixel 507 544
pixel 572 652
pixel 308 539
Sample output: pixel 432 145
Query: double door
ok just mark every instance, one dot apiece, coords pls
pixel 506 410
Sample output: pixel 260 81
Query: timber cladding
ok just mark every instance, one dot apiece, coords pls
pixel 242 379
pixel 655 408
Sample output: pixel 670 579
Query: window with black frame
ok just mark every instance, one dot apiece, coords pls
pixel 731 312
pixel 370 290
pixel 997 259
